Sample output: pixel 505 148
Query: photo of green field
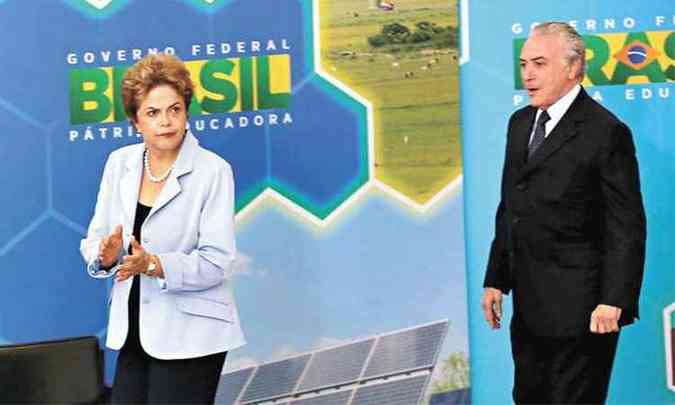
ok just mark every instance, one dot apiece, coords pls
pixel 405 62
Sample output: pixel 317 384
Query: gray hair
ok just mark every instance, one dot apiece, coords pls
pixel 575 49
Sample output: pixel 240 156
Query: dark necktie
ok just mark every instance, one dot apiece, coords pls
pixel 539 134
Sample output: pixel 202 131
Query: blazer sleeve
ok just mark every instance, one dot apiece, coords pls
pixel 99 226
pixel 212 260
pixel 625 224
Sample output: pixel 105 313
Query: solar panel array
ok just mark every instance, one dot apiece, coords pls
pixel 335 366
pixel 231 384
pixel 404 391
pixel 337 398
pixel 400 392
pixel 275 379
pixel 407 350
pixel 398 353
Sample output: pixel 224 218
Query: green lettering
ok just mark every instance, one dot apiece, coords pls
pixel 79 96
pixel 195 108
pixel 118 74
pixel 517 47
pixel 670 52
pixel 600 50
pixel 246 80
pixel 225 88
pixel 267 99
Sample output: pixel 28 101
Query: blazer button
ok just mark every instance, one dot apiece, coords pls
pixel 516 220
pixel 521 186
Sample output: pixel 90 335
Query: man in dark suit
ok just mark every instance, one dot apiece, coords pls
pixel 570 229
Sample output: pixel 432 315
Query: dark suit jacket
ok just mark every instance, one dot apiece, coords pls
pixel 570 227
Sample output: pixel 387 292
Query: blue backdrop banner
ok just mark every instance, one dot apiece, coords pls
pixel 340 120
pixel 631 69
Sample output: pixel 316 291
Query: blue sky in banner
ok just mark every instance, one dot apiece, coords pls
pixel 379 268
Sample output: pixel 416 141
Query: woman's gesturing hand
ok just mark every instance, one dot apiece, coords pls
pixel 110 247
pixel 133 264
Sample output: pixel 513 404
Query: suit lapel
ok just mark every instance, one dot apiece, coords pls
pixel 521 137
pixel 566 129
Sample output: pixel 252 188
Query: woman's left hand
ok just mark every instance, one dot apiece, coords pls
pixel 136 263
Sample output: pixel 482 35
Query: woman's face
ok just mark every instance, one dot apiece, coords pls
pixel 161 118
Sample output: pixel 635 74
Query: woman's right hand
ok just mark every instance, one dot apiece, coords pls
pixel 109 249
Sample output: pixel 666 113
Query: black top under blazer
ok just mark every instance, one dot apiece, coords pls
pixel 570 227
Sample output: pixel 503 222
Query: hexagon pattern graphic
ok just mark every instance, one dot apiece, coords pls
pixel 56 299
pixel 313 152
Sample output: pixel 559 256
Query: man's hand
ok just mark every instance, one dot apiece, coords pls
pixel 605 319
pixel 110 247
pixel 136 263
pixel 492 306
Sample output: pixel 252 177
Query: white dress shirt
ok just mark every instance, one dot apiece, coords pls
pixel 556 111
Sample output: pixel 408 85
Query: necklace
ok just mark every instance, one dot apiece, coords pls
pixel 146 163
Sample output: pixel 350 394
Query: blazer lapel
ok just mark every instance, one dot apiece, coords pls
pixel 130 183
pixel 170 190
pixel 566 129
pixel 183 166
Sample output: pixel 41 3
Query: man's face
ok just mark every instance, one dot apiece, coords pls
pixel 545 74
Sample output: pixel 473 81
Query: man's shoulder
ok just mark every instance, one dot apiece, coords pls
pixel 521 114
pixel 600 115
pixel 603 125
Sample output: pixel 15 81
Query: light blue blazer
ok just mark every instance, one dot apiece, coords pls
pixel 191 313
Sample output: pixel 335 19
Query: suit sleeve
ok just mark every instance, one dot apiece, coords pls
pixel 625 229
pixel 498 268
pixel 212 260
pixel 498 262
